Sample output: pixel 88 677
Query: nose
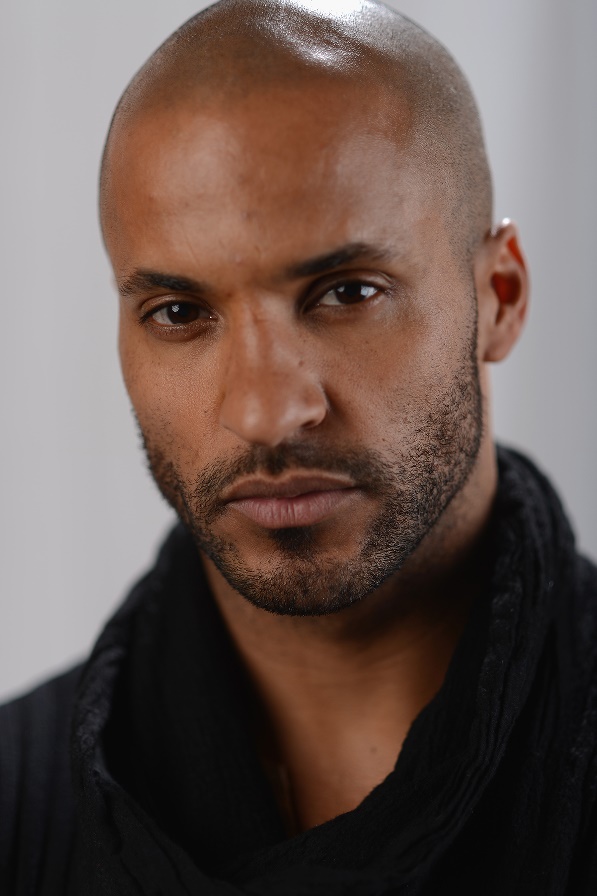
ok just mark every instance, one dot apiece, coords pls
pixel 270 392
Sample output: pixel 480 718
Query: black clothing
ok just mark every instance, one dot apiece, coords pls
pixel 494 790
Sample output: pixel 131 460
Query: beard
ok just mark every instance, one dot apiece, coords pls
pixel 411 492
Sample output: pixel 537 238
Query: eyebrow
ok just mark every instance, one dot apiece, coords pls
pixel 142 280
pixel 336 259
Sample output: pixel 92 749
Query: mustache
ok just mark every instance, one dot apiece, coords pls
pixel 364 467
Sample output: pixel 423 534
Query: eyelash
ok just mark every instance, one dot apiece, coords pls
pixel 147 316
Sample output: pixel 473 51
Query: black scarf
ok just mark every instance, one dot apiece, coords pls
pixel 493 790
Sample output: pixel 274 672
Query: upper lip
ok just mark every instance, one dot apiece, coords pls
pixel 289 487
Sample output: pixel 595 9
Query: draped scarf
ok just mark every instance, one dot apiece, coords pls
pixel 493 791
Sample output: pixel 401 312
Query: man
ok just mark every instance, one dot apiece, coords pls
pixel 364 662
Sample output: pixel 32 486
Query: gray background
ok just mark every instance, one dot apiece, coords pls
pixel 79 515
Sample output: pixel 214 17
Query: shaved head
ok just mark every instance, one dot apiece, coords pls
pixel 237 48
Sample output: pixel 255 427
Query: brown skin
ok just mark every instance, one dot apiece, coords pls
pixel 209 200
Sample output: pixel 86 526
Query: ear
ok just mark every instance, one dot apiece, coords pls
pixel 502 286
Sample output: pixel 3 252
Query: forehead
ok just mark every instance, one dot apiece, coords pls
pixel 322 156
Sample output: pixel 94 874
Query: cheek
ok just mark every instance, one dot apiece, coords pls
pixel 172 397
pixel 398 371
pixel 424 381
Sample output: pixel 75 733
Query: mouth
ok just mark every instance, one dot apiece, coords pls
pixel 290 502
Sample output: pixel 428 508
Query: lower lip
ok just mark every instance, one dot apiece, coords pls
pixel 302 510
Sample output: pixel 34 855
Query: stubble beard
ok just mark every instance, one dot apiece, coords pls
pixel 412 492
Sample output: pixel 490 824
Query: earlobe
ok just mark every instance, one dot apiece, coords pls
pixel 502 289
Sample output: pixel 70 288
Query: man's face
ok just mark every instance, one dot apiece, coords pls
pixel 298 337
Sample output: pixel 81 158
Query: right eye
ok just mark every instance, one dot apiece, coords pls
pixel 179 313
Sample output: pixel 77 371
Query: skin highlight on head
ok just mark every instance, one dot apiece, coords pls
pixel 297 207
pixel 237 47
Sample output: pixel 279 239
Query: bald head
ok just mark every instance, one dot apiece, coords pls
pixel 237 48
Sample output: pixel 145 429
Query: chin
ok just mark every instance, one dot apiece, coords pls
pixel 294 578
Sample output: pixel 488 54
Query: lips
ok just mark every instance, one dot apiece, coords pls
pixel 293 501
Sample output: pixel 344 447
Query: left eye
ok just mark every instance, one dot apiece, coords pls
pixel 348 294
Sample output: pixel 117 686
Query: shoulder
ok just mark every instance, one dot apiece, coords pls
pixel 46 702
pixel 36 802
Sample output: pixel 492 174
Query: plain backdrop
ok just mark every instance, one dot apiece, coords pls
pixel 80 517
